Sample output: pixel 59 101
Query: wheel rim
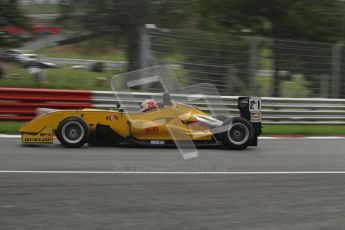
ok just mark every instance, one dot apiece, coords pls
pixel 238 133
pixel 73 132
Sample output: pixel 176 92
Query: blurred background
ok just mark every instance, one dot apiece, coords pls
pixel 269 48
pixel 257 47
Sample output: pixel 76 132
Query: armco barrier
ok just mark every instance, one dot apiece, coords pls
pixel 18 104
pixel 21 104
pixel 274 110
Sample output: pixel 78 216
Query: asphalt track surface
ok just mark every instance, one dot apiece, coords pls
pixel 289 185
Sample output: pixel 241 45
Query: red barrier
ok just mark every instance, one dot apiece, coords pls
pixel 21 104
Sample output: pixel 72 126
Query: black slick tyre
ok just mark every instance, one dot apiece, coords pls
pixel 239 135
pixel 73 132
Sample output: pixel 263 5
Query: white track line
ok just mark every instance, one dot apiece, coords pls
pixel 9 136
pixel 6 136
pixel 171 172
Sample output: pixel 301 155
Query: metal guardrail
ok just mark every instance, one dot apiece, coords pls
pixel 274 110
pixel 22 104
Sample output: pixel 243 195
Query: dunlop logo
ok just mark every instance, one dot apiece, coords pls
pixel 38 139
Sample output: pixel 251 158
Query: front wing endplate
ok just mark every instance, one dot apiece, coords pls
pixel 43 137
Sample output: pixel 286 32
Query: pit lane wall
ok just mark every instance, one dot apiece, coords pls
pixel 19 104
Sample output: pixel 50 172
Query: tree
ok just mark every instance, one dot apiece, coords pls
pixel 124 20
pixel 317 20
pixel 10 15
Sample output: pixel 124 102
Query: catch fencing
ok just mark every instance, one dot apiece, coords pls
pixel 247 64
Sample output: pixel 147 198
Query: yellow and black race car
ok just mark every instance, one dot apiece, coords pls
pixel 165 125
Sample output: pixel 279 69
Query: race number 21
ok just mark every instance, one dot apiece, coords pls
pixel 254 104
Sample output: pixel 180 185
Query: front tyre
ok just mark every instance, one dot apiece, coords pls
pixel 239 135
pixel 73 132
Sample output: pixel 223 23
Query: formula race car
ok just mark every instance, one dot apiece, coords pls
pixel 155 124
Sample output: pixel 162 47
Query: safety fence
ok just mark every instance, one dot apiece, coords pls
pixel 22 104
pixel 239 64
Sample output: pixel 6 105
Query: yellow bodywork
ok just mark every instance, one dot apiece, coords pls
pixel 43 137
pixel 174 121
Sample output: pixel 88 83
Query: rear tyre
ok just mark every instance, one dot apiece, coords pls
pixel 240 134
pixel 73 132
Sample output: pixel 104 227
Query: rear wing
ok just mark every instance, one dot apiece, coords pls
pixel 250 108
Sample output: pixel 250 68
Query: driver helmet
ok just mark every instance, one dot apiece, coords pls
pixel 148 105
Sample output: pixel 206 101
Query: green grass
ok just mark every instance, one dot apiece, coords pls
pixel 90 49
pixel 51 52
pixel 265 61
pixel 264 84
pixel 11 127
pixel 58 78
pixel 67 78
pixel 296 87
pixel 41 9
pixel 315 130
